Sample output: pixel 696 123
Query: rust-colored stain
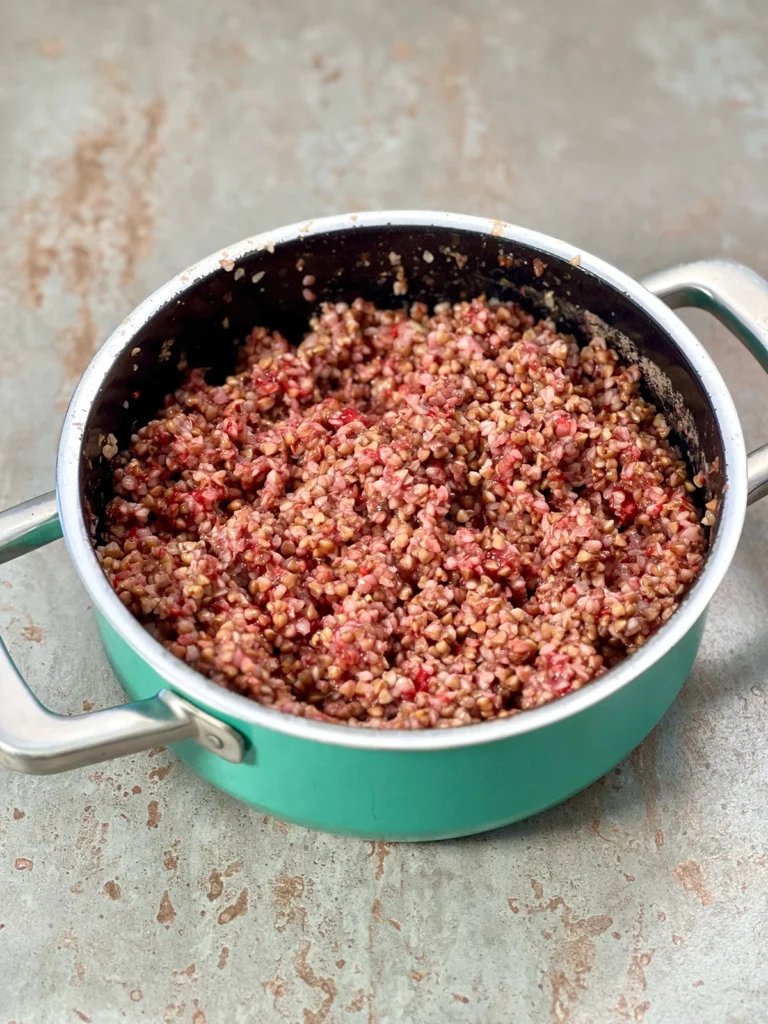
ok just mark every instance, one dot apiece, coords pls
pixel 91 222
pixel 18 814
pixel 636 971
pixel 136 995
pixel 223 957
pixel 88 705
pixel 153 814
pixel 23 864
pixel 91 833
pixel 382 851
pixel 459 998
pixel 135 790
pixel 395 924
pixel 476 155
pixel 233 869
pixel 70 941
pixel 630 1005
pixel 166 914
pixel 238 909
pixel 281 827
pixel 216 886
pixel 198 1017
pixel 627 1010
pixel 701 216
pixel 170 860
pixel 376 910
pixel 77 889
pixel 33 633
pixel 173 1011
pixel 83 1016
pixel 276 986
pixel 112 889
pixel 573 951
pixel 52 48
pixel 691 877
pixel 159 773
pixel 644 761
pixel 420 975
pixel 187 972
pixel 357 1002
pixel 326 985
pixel 286 889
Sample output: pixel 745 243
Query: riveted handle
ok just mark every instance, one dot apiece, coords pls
pixel 37 741
pixel 738 297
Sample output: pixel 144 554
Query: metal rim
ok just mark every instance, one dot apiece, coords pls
pixel 199 689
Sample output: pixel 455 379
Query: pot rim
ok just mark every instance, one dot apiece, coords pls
pixel 236 707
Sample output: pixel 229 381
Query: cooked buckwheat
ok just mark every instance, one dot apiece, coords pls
pixel 411 520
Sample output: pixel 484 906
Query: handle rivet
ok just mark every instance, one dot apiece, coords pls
pixel 215 741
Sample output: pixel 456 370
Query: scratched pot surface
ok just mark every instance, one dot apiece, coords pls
pixel 135 892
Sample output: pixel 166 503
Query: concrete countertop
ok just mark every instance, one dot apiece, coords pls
pixel 138 137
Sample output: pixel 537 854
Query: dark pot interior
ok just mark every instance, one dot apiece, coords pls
pixel 203 325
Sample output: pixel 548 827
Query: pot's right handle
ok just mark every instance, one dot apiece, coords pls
pixel 738 297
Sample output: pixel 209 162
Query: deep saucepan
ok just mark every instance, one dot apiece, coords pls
pixel 398 785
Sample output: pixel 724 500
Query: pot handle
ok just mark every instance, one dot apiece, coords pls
pixel 37 741
pixel 738 297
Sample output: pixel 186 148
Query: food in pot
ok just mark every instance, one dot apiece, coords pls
pixel 411 520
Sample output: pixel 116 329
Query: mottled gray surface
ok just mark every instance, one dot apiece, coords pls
pixel 139 137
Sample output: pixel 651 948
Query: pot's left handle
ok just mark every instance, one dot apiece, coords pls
pixel 39 742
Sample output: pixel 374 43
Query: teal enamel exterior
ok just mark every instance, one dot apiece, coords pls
pixel 425 795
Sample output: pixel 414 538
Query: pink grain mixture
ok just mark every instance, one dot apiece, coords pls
pixel 408 521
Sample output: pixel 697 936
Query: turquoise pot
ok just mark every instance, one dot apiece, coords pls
pixel 435 794
pixel 382 784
